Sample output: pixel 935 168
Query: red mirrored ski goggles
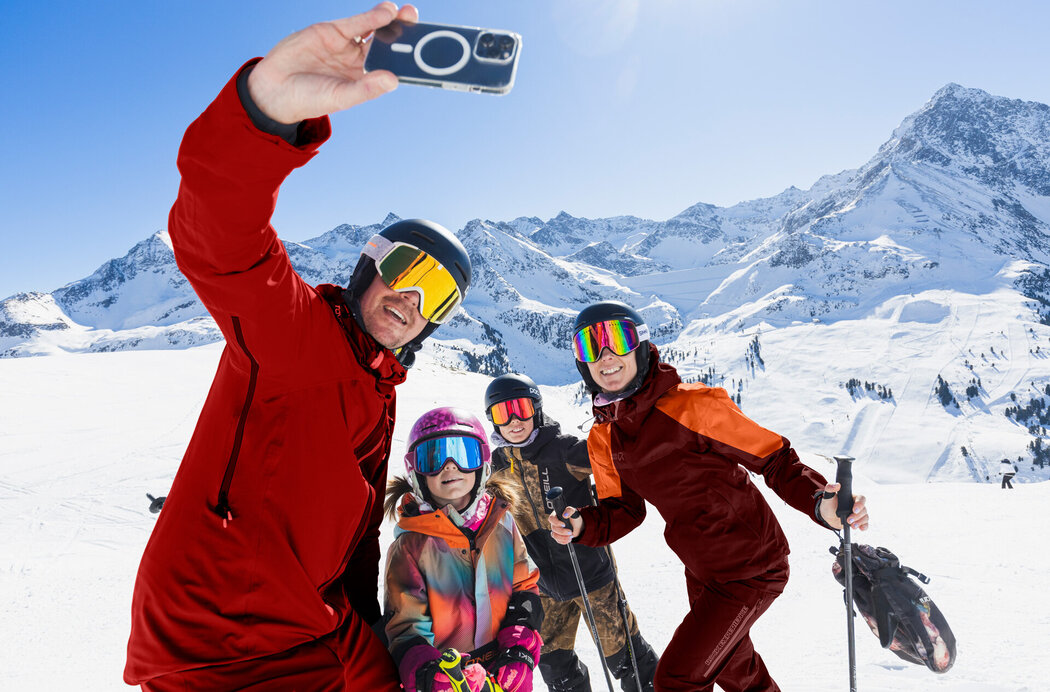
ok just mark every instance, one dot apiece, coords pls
pixel 522 409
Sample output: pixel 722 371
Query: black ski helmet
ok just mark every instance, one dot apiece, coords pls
pixel 512 386
pixel 433 239
pixel 612 310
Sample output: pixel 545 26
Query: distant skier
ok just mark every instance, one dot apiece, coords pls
pixel 1008 470
pixel 457 573
pixel 684 448
pixel 262 571
pixel 532 454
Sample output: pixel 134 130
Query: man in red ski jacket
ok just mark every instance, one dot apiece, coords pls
pixel 262 570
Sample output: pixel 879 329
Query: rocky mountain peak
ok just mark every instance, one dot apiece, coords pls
pixel 997 139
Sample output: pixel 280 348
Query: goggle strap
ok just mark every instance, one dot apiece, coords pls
pixel 377 247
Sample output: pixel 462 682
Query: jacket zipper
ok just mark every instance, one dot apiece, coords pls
pixel 535 514
pixel 222 508
pixel 474 557
pixel 528 495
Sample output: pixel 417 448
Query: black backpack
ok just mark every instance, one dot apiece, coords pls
pixel 898 611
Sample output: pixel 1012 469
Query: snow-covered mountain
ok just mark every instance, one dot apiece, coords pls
pixel 899 310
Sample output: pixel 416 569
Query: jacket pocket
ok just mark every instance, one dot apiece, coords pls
pixel 223 507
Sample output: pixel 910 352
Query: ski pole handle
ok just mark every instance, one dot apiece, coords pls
pixel 451 664
pixel 557 499
pixel 844 477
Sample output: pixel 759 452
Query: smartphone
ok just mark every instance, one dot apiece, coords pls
pixel 462 58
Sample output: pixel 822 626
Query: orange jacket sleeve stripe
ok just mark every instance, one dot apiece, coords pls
pixel 720 420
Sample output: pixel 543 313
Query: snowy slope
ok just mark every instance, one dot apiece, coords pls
pixel 83 438
pixel 798 383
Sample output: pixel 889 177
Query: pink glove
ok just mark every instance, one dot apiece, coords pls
pixel 475 674
pixel 519 644
pixel 417 661
pixel 515 677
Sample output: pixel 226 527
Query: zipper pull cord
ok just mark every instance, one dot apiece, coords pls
pixel 223 510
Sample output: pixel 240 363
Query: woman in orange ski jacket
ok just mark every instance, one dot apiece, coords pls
pixel 688 450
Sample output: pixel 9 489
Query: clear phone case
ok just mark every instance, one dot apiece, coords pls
pixel 462 58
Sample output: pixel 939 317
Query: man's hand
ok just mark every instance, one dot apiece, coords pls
pixel 559 532
pixel 320 70
pixel 829 504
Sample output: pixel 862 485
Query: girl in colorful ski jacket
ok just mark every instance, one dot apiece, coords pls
pixel 687 450
pixel 457 573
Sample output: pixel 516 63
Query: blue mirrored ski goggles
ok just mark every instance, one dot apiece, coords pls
pixel 431 455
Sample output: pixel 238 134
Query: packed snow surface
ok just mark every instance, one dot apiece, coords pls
pixel 84 437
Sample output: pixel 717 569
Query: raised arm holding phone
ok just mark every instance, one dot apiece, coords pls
pixel 320 70
pixel 262 570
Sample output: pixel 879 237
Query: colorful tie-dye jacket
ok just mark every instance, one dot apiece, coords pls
pixel 445 589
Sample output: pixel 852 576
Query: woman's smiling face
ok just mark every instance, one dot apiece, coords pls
pixel 612 372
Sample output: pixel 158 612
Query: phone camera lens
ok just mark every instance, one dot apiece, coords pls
pixel 487 40
pixel 506 43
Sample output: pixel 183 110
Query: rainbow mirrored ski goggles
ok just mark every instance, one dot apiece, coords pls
pixel 619 336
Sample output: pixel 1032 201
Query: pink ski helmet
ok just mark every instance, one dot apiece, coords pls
pixel 447 421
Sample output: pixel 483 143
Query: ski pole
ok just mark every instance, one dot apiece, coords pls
pixel 844 477
pixel 451 664
pixel 622 603
pixel 557 500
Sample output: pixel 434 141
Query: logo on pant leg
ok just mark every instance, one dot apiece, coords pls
pixel 728 636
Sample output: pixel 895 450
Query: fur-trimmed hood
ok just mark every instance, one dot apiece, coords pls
pixel 399 488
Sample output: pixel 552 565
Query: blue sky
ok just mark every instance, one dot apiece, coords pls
pixel 640 107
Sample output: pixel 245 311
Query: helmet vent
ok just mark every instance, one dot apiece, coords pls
pixel 422 236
